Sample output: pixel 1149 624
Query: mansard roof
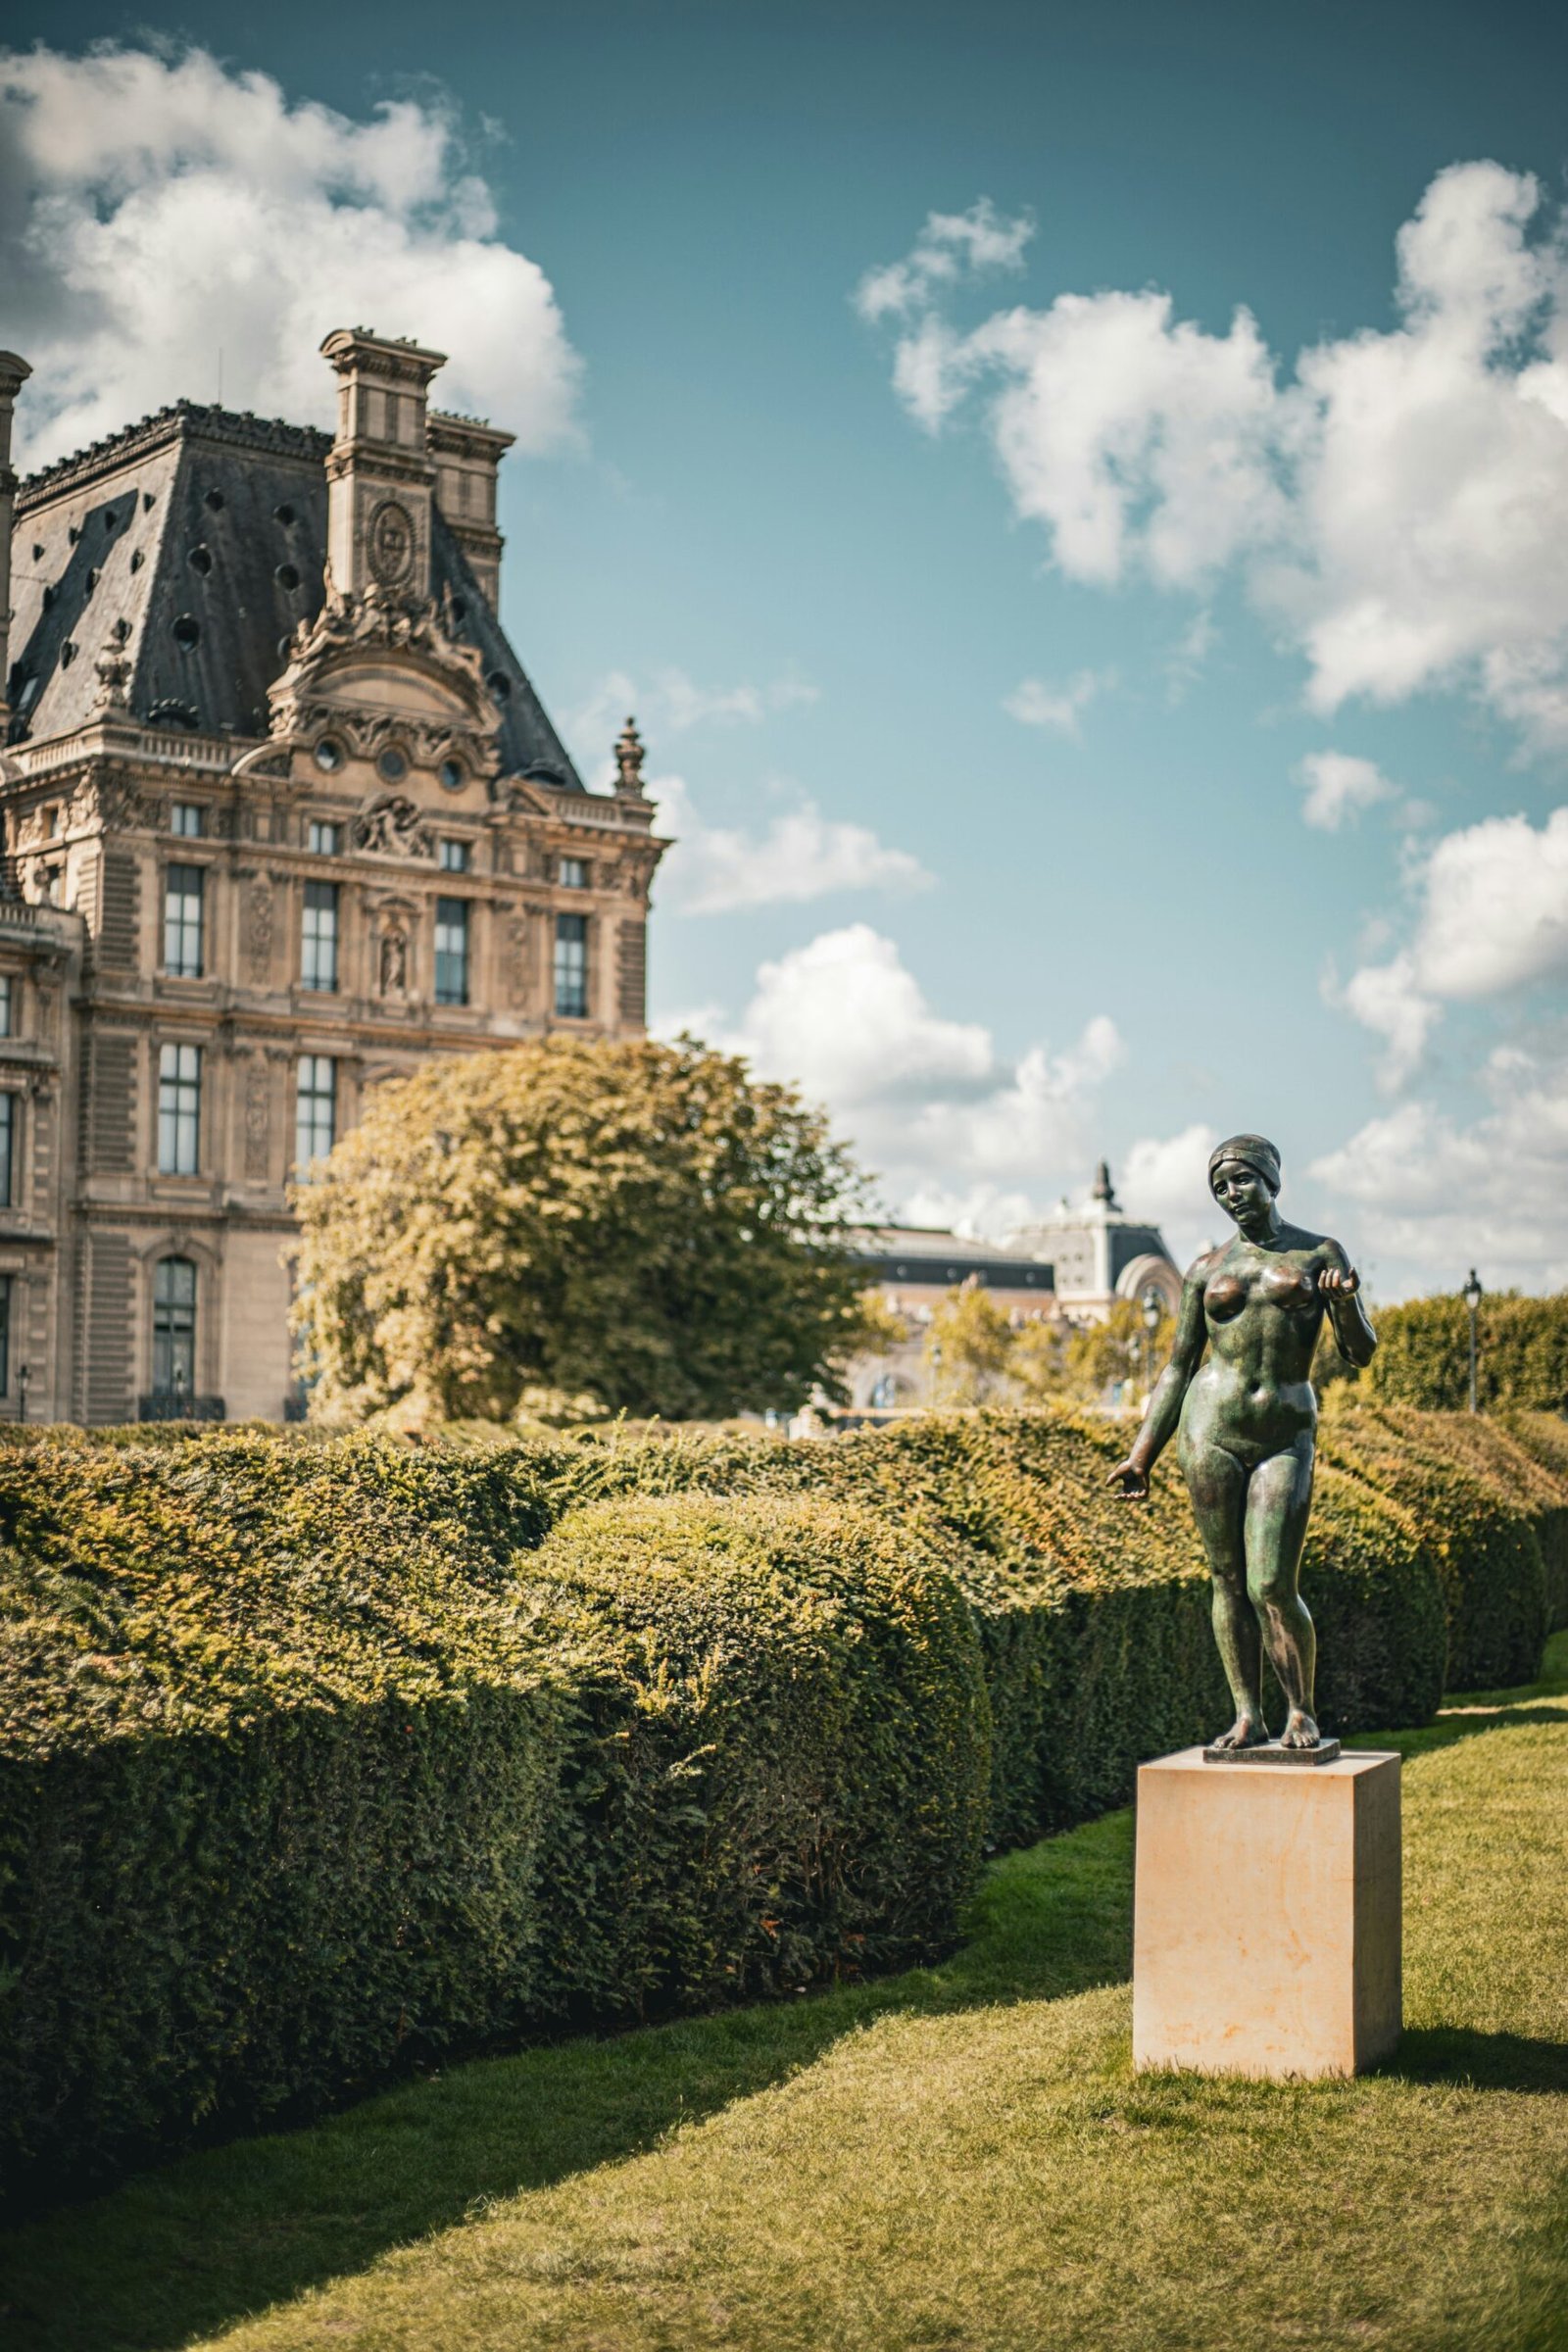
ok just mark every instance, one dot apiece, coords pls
pixel 193 544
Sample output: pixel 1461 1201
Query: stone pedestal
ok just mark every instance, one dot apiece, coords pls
pixel 1267 1930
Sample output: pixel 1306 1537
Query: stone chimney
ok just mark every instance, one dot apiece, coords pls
pixel 14 374
pixel 466 455
pixel 381 478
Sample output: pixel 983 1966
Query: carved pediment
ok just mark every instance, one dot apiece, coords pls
pixel 380 669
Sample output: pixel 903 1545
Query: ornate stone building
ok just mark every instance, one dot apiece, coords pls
pixel 283 818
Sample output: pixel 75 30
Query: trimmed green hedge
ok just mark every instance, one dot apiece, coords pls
pixel 783 1751
pixel 319 1754
pixel 1543 1437
pixel 1423 1356
pixel 301 1775
pixel 1095 1614
pixel 1480 1527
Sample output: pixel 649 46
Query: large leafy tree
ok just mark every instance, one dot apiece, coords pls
pixel 632 1226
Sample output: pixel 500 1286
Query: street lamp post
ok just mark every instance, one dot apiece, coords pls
pixel 1471 1295
pixel 24 1375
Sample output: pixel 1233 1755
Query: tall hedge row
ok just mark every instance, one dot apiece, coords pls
pixel 1482 1507
pixel 316 1754
pixel 1423 1355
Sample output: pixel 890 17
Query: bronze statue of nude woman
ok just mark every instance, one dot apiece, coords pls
pixel 1247 1423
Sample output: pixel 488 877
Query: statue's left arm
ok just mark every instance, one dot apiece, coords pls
pixel 1340 1287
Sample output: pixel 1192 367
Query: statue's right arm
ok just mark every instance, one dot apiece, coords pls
pixel 1165 1403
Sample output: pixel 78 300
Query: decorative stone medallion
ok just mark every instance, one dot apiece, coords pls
pixel 390 544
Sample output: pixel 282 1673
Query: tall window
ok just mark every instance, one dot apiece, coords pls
pixel 179 1110
pixel 315 1109
pixel 173 1325
pixel 182 922
pixel 8 1149
pixel 451 950
pixel 572 967
pixel 5 1005
pixel 318 942
pixel 185 817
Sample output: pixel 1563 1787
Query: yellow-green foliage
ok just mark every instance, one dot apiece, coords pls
pixel 289 1748
pixel 1423 1355
pixel 1484 1529
pixel 578 1224
pixel 1095 1614
pixel 1543 1437
pixel 319 1753
pixel 789 1758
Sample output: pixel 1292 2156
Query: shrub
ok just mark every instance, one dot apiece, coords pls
pixel 1480 1531
pixel 1094 1615
pixel 300 1778
pixel 1544 1437
pixel 1423 1355
pixel 786 1751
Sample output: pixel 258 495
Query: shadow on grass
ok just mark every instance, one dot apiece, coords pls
pixel 1486 2061
pixel 178 2253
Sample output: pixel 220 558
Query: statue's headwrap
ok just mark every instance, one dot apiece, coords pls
pixel 1253 1151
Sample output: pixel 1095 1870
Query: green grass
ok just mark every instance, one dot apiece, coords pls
pixel 957 2158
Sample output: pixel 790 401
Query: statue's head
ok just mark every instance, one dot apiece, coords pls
pixel 1243 1176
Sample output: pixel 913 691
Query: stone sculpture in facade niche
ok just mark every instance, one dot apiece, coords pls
pixel 394 963
pixel 1245 1421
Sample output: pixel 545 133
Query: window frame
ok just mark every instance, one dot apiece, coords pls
pixel 572 933
pixel 172 1321
pixel 320 950
pixel 453 915
pixel 314 1095
pixel 180 1107
pixel 179 930
pixel 180 812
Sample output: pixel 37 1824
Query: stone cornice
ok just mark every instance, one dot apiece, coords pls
pixel 187 420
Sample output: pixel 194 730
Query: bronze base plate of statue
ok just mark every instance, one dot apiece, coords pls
pixel 1237 1395
pixel 1269 1751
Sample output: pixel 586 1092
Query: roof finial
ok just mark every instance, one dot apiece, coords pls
pixel 1103 1190
pixel 629 756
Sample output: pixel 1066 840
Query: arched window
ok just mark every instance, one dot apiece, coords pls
pixel 173 1326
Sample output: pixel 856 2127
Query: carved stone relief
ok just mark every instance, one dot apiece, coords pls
pixel 391 826
pixel 516 963
pixel 259 927
pixel 258 1117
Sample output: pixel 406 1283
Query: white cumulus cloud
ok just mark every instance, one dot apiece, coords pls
pixel 1060 709
pixel 950 246
pixel 1336 786
pixel 1434 1193
pixel 1491 919
pixel 1393 502
pixel 955 1130
pixel 162 209
pixel 800 854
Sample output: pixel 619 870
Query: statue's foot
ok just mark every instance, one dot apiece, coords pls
pixel 1300 1731
pixel 1247 1731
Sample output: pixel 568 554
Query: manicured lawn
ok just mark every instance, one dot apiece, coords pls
pixel 958 2158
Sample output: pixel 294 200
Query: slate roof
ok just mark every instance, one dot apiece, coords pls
pixel 194 542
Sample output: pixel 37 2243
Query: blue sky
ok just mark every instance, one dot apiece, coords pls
pixel 1091 724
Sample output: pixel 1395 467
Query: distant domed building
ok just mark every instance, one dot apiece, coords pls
pixel 1100 1254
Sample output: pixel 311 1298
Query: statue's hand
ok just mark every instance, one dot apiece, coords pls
pixel 1335 1285
pixel 1130 1482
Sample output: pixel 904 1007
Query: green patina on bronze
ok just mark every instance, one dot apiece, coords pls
pixel 1238 1396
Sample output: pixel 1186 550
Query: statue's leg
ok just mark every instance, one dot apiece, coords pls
pixel 1279 1500
pixel 1217 1484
